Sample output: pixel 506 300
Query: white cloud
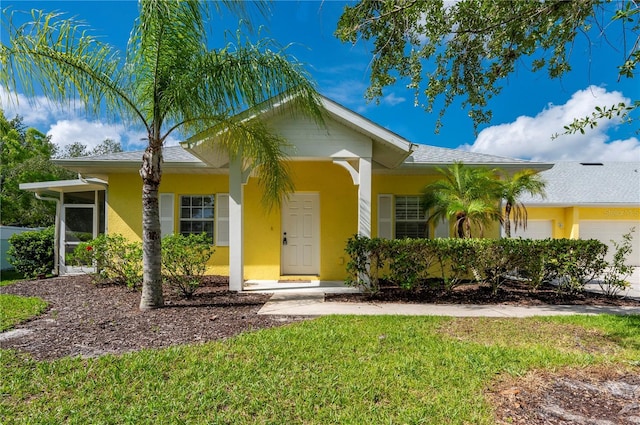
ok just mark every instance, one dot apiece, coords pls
pixel 346 92
pixel 89 133
pixel 33 110
pixel 530 137
pixel 393 100
pixel 92 133
pixel 68 126
pixel 36 110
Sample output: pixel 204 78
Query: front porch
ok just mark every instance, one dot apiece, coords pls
pixel 343 152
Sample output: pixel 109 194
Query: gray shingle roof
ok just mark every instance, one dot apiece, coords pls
pixel 424 154
pixel 574 183
pixel 170 154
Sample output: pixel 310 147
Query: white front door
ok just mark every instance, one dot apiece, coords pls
pixel 301 234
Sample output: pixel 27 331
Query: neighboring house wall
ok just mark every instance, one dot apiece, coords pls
pixel 587 222
pixel 591 200
pixel 5 233
pixel 566 220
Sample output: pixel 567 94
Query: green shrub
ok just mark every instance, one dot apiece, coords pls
pixel 614 279
pixel 184 261
pixel 367 257
pixel 577 262
pixel 32 253
pixel 534 266
pixel 117 260
pixel 494 259
pixel 407 263
pixel 454 257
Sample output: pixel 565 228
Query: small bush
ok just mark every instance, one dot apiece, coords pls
pixel 32 253
pixel 366 259
pixel 577 262
pixel 184 261
pixel 117 260
pixel 454 258
pixel 615 278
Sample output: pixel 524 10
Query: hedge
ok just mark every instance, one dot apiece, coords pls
pixel 446 263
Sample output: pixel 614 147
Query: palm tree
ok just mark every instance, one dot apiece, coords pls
pixel 470 196
pixel 525 181
pixel 169 80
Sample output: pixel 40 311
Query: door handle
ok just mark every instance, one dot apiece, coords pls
pixel 284 239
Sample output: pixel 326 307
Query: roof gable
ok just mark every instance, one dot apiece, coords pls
pixel 309 139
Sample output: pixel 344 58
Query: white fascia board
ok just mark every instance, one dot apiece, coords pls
pixel 61 186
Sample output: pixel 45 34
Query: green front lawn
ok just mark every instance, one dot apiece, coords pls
pixel 15 309
pixel 356 370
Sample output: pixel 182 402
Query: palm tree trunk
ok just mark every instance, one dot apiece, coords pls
pixel 507 220
pixel 151 244
pixel 460 225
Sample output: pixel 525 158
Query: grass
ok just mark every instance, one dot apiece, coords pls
pixel 346 369
pixel 15 309
pixel 7 277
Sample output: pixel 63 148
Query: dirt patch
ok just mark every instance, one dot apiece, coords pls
pixel 596 396
pixel 84 319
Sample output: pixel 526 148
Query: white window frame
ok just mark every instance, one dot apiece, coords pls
pixel 212 220
pixel 421 216
pixel 388 220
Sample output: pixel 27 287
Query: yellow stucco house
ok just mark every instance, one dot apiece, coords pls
pixel 588 200
pixel 351 176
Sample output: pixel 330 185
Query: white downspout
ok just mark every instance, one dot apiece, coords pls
pixel 56 233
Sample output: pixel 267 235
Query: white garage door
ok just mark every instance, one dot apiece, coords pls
pixel 536 229
pixel 606 231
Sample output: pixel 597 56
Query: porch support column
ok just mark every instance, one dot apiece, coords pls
pixel 236 225
pixel 364 197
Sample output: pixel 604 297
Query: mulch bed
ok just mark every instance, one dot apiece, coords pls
pixel 511 293
pixel 85 319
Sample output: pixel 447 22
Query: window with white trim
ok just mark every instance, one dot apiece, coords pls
pixel 410 218
pixel 197 214
pixel 401 217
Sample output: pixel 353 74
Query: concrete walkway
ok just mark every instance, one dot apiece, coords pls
pixel 308 299
pixel 312 303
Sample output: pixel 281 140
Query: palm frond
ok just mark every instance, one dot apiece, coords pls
pixel 62 60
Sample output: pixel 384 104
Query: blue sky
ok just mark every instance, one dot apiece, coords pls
pixel 529 110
